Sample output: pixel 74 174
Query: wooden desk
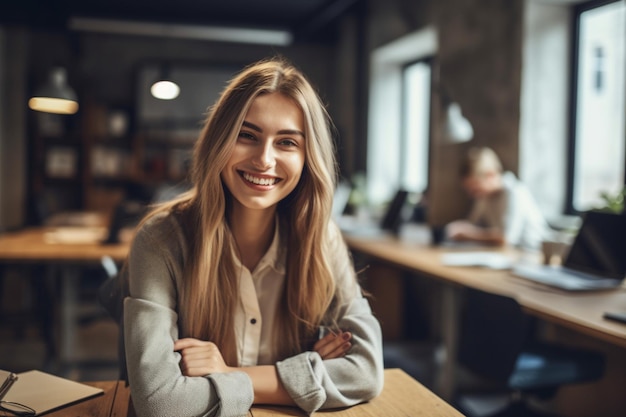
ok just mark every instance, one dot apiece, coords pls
pixel 38 245
pixel 50 247
pixel 578 316
pixel 581 312
pixel 401 396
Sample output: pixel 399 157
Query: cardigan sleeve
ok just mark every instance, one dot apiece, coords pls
pixel 157 384
pixel 314 383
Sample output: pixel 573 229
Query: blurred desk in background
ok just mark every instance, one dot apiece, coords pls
pixel 74 245
pixel 579 311
pixel 578 315
pixel 63 252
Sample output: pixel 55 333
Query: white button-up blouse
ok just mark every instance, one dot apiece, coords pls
pixel 258 305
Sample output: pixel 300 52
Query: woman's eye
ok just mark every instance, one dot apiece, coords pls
pixel 287 142
pixel 246 135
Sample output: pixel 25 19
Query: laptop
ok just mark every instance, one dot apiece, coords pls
pixel 596 260
pixel 396 214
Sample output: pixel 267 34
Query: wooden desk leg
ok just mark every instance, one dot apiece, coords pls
pixel 450 310
pixel 386 285
pixel 69 284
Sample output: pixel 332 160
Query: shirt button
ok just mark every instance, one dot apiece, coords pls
pixel 253 321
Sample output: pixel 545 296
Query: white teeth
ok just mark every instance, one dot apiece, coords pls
pixel 259 181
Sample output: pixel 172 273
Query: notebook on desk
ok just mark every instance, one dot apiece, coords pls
pixel 596 260
pixel 45 392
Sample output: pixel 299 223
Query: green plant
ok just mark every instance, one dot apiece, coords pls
pixel 613 203
pixel 358 195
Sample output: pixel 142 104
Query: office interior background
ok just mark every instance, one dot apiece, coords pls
pixel 542 82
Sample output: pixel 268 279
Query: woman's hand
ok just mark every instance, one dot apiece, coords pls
pixel 200 358
pixel 333 345
pixel 461 230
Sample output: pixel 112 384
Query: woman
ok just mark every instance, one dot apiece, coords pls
pixel 233 284
pixel 504 211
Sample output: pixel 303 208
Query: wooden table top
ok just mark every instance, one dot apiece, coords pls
pixel 401 396
pixel 54 244
pixel 580 311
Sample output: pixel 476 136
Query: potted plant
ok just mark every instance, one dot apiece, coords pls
pixel 613 203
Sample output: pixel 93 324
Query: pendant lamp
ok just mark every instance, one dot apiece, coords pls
pixel 56 96
pixel 457 128
pixel 164 88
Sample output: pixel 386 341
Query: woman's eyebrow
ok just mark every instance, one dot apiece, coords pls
pixel 252 126
pixel 280 132
pixel 290 132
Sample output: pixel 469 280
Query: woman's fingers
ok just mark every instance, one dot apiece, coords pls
pixel 199 358
pixel 189 342
pixel 333 345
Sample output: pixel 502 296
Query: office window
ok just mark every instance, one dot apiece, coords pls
pixel 398 116
pixel 414 145
pixel 598 130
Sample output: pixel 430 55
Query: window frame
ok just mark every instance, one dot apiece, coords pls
pixel 384 107
pixel 578 10
pixel 430 61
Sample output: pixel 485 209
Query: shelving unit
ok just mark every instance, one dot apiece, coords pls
pixel 81 162
pixel 57 163
pixel 110 151
pixel 164 156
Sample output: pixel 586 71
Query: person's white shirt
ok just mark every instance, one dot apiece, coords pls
pixel 514 211
pixel 255 315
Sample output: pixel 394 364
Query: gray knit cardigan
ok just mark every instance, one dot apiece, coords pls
pixel 158 387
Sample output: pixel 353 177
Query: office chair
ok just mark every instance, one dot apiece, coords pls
pixel 34 306
pixel 496 343
pixel 111 296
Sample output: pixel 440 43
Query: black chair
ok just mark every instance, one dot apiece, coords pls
pixel 111 296
pixel 496 343
pixel 35 307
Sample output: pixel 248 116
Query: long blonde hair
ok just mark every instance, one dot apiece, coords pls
pixel 210 282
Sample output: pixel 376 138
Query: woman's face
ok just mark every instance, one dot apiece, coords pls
pixel 268 158
pixel 482 184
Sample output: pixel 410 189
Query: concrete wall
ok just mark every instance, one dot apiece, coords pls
pixel 479 63
pixel 13 174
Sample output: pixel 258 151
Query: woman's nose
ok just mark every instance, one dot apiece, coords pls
pixel 264 157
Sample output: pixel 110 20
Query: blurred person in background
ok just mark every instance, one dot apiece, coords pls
pixel 504 211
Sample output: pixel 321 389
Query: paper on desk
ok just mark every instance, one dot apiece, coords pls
pixel 44 392
pixel 492 260
pixel 76 235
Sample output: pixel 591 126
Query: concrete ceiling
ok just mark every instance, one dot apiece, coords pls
pixel 303 18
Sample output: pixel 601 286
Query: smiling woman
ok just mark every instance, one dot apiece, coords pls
pixel 268 158
pixel 241 290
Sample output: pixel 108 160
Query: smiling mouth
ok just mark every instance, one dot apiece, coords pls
pixel 258 180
